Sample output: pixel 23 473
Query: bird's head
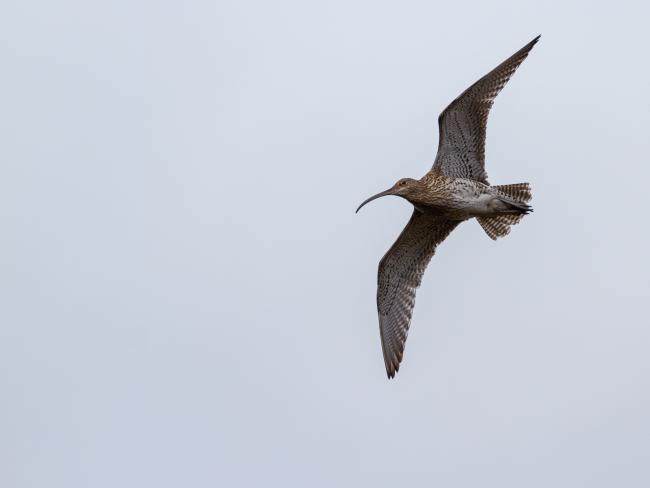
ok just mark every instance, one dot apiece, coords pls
pixel 403 188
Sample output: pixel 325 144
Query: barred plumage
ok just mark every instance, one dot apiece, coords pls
pixel 518 191
pixel 462 125
pixel 496 227
pixel 399 276
pixel 454 190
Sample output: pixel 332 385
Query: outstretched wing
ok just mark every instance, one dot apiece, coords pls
pixel 400 274
pixel 461 147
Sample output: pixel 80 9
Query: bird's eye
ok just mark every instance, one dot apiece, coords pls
pixel 403 183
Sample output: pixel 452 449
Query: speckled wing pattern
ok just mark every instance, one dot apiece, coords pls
pixel 461 147
pixel 399 276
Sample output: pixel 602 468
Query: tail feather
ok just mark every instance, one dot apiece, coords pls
pixel 519 192
pixel 499 226
pixel 516 196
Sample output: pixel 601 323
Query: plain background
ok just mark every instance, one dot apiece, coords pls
pixel 187 297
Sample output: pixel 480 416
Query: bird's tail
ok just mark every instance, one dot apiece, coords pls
pixel 516 198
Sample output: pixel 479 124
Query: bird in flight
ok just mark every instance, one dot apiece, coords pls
pixel 454 190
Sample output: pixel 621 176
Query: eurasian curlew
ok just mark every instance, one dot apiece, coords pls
pixel 454 190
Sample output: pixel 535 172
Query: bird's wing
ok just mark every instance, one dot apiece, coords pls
pixel 400 274
pixel 461 145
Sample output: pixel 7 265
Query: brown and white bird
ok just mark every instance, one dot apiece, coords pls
pixel 456 189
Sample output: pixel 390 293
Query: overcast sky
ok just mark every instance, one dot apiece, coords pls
pixel 188 299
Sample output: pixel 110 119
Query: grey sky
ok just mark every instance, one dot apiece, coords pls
pixel 187 297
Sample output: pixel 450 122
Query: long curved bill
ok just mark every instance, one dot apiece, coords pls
pixel 378 195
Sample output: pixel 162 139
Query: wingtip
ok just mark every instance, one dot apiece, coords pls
pixel 391 370
pixel 528 47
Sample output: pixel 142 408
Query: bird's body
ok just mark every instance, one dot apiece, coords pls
pixel 454 190
pixel 459 198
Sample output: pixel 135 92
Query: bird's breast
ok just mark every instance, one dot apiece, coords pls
pixel 451 197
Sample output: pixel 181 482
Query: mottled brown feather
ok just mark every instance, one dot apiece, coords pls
pixel 462 125
pixel 442 195
pixel 400 274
